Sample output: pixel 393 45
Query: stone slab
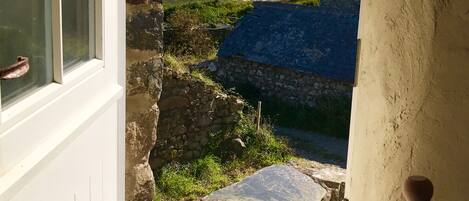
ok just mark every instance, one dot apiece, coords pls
pixel 331 176
pixel 274 183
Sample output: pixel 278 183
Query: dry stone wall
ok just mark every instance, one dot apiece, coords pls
pixel 288 85
pixel 190 111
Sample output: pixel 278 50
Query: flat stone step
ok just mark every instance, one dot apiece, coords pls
pixel 330 176
pixel 274 183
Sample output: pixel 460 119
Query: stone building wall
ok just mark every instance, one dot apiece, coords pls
pixel 190 111
pixel 348 6
pixel 410 108
pixel 288 85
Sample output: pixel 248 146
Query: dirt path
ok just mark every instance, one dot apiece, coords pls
pixel 316 147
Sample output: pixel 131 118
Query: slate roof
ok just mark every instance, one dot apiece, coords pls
pixel 311 39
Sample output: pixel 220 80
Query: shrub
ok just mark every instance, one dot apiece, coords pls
pixel 212 11
pixel 264 148
pixel 186 36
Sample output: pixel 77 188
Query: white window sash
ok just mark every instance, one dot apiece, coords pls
pixel 57 61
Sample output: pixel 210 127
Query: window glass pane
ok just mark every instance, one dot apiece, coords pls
pixel 25 30
pixel 78 31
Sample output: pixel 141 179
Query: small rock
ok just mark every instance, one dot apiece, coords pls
pixel 212 67
pixel 238 146
pixel 332 177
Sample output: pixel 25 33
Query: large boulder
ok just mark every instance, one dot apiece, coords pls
pixel 278 182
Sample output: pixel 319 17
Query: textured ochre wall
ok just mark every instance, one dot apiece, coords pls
pixel 411 105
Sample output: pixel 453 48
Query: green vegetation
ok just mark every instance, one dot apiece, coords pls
pixel 203 76
pixel 210 11
pixel 331 116
pixel 133 9
pixel 187 22
pixel 306 2
pixel 189 181
pixel 174 63
pixel 218 168
pixel 187 44
pixel 186 36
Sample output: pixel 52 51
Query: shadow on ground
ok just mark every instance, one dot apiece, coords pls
pixel 316 147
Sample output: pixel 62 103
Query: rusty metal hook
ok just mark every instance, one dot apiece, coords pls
pixel 16 70
pixel 418 188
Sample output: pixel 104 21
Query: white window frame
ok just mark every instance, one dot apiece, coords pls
pixel 62 82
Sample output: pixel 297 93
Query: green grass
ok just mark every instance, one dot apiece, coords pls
pixel 216 169
pixel 306 2
pixel 174 63
pixel 203 76
pixel 331 116
pixel 181 62
pixel 134 9
pixel 210 11
pixel 190 181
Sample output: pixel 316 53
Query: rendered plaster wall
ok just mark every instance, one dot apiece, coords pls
pixel 411 105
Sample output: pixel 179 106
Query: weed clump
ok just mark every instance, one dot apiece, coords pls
pixel 215 170
pixel 306 2
pixel 204 77
pixel 187 36
pixel 211 12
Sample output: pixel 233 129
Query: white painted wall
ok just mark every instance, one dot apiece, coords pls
pixel 83 169
pixel 66 141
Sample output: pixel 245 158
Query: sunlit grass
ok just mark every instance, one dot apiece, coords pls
pixel 306 2
pixel 215 170
pixel 211 11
